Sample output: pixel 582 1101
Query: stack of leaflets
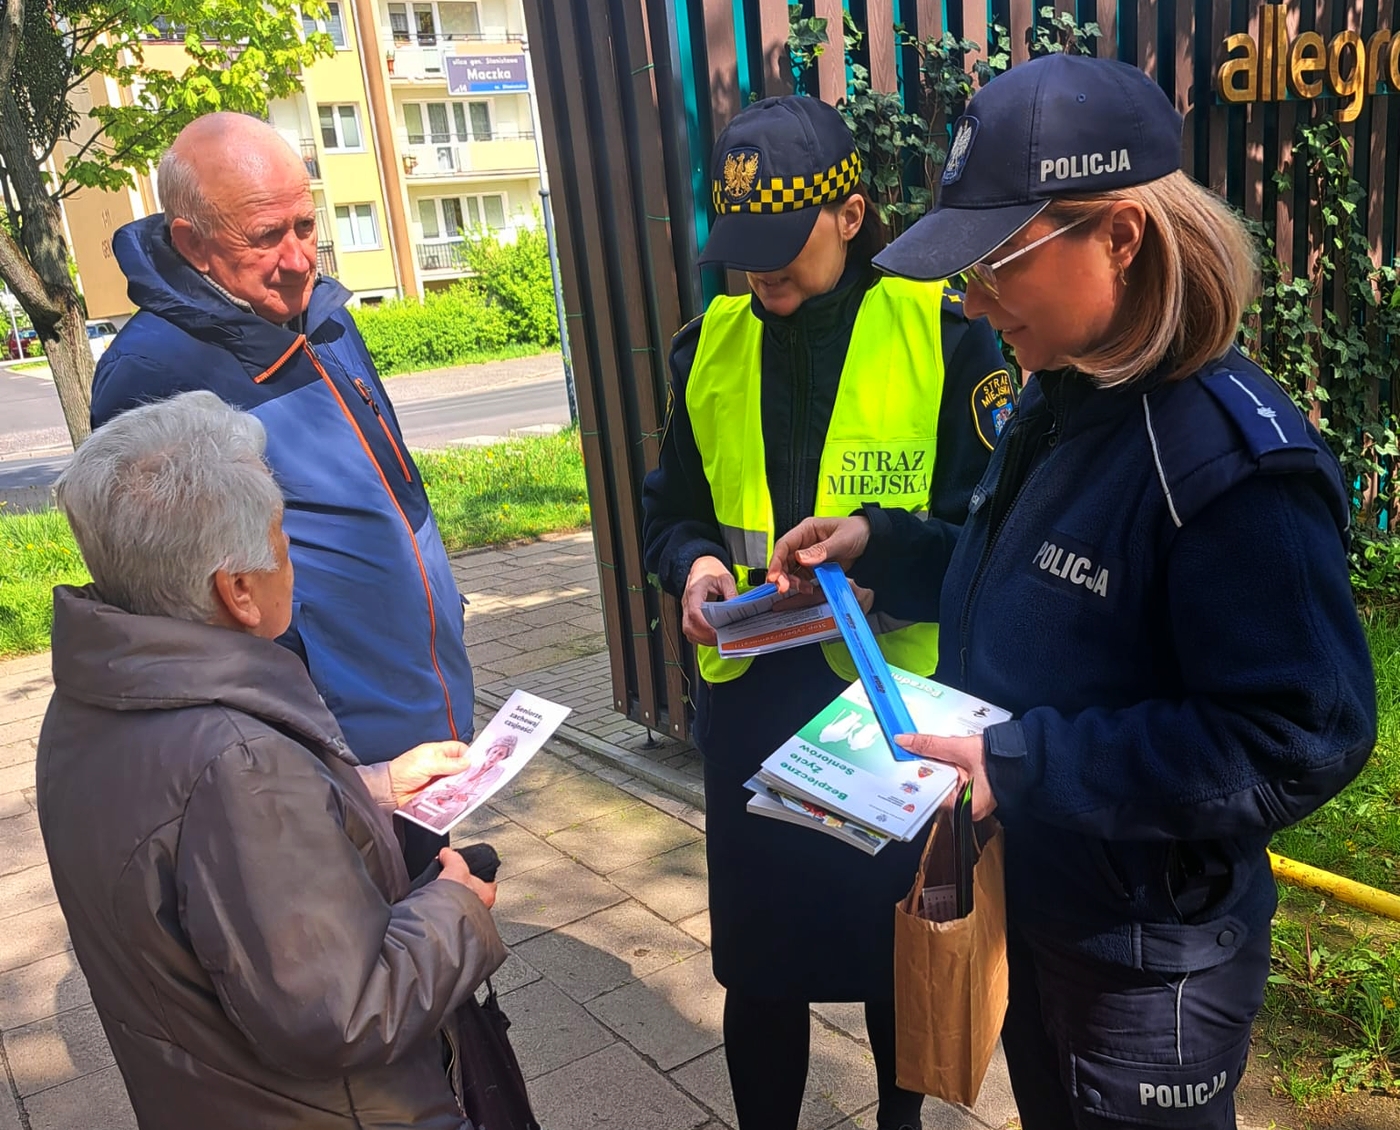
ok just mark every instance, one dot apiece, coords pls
pixel 750 625
pixel 503 747
pixel 837 774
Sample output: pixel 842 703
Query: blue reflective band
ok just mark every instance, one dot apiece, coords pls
pixel 885 699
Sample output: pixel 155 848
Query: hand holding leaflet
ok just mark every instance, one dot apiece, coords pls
pixel 890 711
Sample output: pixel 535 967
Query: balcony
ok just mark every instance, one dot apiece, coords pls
pixel 455 157
pixel 419 59
pixel 310 158
pixel 443 256
pixel 325 259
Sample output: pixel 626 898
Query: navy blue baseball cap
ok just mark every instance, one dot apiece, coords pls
pixel 1060 125
pixel 774 165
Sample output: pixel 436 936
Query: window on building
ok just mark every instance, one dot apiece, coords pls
pixel 458 19
pixel 340 127
pixel 429 122
pixel 333 25
pixel 355 226
pixel 425 24
pixel 449 217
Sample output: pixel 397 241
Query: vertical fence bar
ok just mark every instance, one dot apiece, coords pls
pixel 879 38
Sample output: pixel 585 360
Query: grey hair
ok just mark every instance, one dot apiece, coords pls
pixel 164 496
pixel 181 197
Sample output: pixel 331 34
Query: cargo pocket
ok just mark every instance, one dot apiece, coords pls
pixel 1120 1092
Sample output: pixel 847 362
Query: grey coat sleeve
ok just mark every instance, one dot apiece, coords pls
pixel 309 961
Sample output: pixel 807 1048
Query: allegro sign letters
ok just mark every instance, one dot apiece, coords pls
pixel 1347 66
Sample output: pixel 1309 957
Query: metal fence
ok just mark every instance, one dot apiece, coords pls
pixel 633 92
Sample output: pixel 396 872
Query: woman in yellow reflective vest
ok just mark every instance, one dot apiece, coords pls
pixel 827 391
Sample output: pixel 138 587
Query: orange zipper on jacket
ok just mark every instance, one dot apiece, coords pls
pixel 368 397
pixel 412 539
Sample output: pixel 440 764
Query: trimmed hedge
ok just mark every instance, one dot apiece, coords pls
pixel 505 309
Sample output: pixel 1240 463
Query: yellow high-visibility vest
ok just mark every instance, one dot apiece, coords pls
pixel 880 445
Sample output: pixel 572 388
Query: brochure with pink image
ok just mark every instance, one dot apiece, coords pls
pixel 502 748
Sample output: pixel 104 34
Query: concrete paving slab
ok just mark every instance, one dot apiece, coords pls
pixel 519 850
pixel 475 826
pixel 14 804
pixel 16 777
pixel 563 805
pixel 20 752
pixel 548 1031
pixel 21 845
pixel 840 1082
pixel 622 838
pixel 52 985
pixel 607 950
pixel 612 1088
pixel 545 769
pixel 671 1016
pixel 514 973
pixel 673 885
pixel 74 1105
pixel 698 927
pixel 846 1017
pixel 56 1049
pixel 33 936
pixel 9 1107
pixel 548 897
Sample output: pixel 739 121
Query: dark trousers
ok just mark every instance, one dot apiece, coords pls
pixel 766 1047
pixel 1092 1046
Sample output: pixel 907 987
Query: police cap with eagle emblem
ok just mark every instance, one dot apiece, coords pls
pixel 775 165
pixel 1060 125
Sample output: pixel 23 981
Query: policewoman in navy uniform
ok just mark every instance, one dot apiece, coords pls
pixel 1152 578
pixel 826 388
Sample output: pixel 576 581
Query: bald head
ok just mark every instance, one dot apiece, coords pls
pixel 237 201
pixel 222 150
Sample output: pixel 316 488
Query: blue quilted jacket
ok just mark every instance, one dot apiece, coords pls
pixel 377 615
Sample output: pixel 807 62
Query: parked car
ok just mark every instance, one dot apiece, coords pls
pixel 25 345
pixel 100 335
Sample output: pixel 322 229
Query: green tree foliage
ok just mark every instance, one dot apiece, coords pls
pixel 516 278
pixel 240 54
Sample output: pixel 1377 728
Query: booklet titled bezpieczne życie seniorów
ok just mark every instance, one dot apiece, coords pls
pixel 840 761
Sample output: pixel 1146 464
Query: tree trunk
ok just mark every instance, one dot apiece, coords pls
pixel 35 267
pixel 70 358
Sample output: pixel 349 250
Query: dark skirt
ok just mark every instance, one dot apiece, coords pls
pixel 794 913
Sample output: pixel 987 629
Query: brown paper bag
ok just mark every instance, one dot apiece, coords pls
pixel 950 977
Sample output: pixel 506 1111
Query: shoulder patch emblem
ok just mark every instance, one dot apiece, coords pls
pixel 740 173
pixel 993 401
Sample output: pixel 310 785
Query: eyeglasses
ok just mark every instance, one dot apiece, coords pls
pixel 985 273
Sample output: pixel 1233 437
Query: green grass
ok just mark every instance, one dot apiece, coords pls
pixel 511 491
pixel 37 551
pixel 503 353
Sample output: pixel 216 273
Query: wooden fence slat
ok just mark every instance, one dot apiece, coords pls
pixel 974 28
pixel 831 66
pixel 1106 16
pixel 879 38
pixel 587 380
pixel 664 310
pixel 1184 80
pixel 1147 58
pixel 1381 109
pixel 1022 22
pixel 617 247
pixel 776 76
pixel 721 53
pixel 927 22
pixel 1214 176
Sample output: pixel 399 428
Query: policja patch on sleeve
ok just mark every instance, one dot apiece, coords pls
pixel 993 401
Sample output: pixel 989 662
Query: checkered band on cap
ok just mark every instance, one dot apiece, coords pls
pixel 788 194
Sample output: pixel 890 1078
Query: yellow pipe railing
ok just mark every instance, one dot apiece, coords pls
pixel 1343 890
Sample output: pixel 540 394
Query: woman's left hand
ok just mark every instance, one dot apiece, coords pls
pixel 424 764
pixel 968 754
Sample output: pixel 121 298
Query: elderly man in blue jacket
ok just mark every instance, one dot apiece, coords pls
pixel 229 300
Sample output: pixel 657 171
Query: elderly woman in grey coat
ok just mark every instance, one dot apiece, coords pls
pixel 228 870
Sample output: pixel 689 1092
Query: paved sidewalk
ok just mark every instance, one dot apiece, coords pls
pixel 616 1017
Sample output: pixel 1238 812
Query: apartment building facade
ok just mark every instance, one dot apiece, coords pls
pixel 418 130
